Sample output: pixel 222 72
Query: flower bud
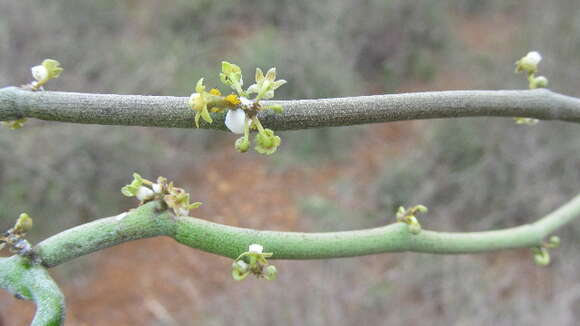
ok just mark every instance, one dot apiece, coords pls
pixel 541 256
pixel 40 73
pixel 539 82
pixel 529 63
pixel 23 224
pixel 271 273
pixel 242 144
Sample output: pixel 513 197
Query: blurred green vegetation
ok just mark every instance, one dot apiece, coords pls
pixel 473 174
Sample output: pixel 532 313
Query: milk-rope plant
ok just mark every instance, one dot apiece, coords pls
pixel 164 208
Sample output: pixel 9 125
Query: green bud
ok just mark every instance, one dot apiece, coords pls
pixel 553 242
pixel 23 224
pixel 529 63
pixel 414 226
pixel 242 144
pixel 231 75
pixel 240 270
pixel 271 273
pixel 267 142
pixel 538 82
pixel 541 256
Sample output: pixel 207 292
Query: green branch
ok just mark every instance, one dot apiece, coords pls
pixel 148 221
pixel 168 111
pixel 32 282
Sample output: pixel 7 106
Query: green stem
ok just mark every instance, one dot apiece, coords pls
pixel 247 128
pixel 258 124
pixel 169 111
pixel 148 221
pixel 32 282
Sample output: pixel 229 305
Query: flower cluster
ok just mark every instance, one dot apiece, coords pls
pixel 242 110
pixel 408 216
pixel 529 65
pixel 254 262
pixel 14 237
pixel 47 70
pixel 175 198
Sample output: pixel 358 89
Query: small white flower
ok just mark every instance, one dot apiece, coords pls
pixel 39 73
pixel 256 248
pixel 532 58
pixel 235 120
pixel 144 193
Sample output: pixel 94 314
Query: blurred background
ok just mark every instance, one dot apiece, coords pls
pixel 473 174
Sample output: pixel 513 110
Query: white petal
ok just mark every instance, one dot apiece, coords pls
pixel 533 58
pixel 256 248
pixel 235 121
pixel 144 193
pixel 39 72
pixel 156 187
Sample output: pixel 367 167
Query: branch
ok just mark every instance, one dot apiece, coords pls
pixel 168 111
pixel 149 221
pixel 32 282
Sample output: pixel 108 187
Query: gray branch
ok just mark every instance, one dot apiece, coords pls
pixel 174 112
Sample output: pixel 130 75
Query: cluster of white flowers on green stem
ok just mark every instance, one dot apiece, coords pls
pixel 242 110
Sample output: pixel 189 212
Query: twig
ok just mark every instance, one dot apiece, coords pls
pixel 167 111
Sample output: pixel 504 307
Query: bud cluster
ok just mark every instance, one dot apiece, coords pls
pixel 14 237
pixel 254 262
pixel 175 198
pixel 408 216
